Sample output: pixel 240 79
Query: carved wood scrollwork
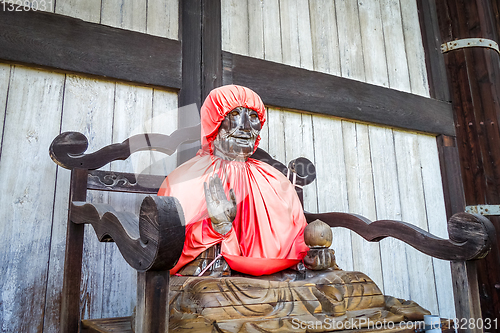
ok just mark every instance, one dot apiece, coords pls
pixel 154 241
pixel 470 235
pixel 111 180
pixel 68 148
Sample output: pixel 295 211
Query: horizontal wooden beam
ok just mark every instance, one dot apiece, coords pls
pixel 72 45
pixel 291 87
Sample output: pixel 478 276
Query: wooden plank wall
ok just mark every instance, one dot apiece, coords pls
pixel 37 105
pixel 157 17
pixel 381 173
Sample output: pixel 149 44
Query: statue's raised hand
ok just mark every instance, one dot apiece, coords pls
pixel 220 210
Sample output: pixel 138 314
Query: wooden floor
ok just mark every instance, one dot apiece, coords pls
pixel 123 325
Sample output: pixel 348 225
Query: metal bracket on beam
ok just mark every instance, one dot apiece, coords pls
pixel 469 42
pixel 483 209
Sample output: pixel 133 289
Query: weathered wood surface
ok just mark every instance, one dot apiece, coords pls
pixel 30 106
pixel 48 40
pixel 4 84
pixel 474 80
pixel 155 17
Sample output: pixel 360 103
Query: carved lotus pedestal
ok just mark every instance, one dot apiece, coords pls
pixel 320 301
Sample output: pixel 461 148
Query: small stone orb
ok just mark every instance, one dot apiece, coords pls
pixel 318 234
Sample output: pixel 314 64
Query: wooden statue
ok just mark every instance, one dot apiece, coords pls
pixel 234 235
pixel 241 268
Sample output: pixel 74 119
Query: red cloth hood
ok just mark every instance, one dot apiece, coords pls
pixel 220 102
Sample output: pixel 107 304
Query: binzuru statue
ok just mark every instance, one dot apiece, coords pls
pixel 247 241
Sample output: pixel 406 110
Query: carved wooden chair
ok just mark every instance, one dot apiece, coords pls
pixel 152 242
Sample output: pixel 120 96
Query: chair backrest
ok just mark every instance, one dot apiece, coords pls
pixel 68 151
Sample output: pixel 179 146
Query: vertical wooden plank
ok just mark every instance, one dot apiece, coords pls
pixel 388 205
pixel 276 137
pixel 436 219
pixel 130 15
pixel 350 46
pixel 165 118
pixel 255 29
pixel 89 10
pixel 289 32
pixel 366 256
pixel 415 53
pixel 31 122
pixel 4 88
pixel 272 30
pixel 413 210
pixel 305 38
pixel 235 26
pixel 163 18
pixel 325 40
pixel 331 182
pixel 373 42
pixel 394 45
pixel 299 142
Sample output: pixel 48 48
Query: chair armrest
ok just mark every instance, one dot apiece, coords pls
pixel 152 241
pixel 471 235
pixel 68 148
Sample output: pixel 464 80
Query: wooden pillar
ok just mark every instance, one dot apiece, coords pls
pixel 474 83
pixel 152 310
pixel 70 299
pixel 201 62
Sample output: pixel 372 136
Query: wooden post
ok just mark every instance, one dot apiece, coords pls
pixel 433 24
pixel 152 312
pixel 201 62
pixel 70 298
pixel 474 81
pixel 190 93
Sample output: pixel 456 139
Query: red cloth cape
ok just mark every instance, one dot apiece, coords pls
pixel 267 234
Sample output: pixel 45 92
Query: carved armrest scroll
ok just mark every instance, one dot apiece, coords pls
pixel 470 235
pixel 304 169
pixel 68 148
pixel 152 241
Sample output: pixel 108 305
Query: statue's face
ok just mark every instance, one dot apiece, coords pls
pixel 237 134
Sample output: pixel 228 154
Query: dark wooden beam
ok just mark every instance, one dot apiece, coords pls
pixel 431 39
pixel 190 93
pixel 201 62
pixel 71 45
pixel 474 80
pixel 211 47
pixel 290 87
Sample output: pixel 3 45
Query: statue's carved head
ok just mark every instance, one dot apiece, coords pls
pixel 237 134
pixel 231 119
